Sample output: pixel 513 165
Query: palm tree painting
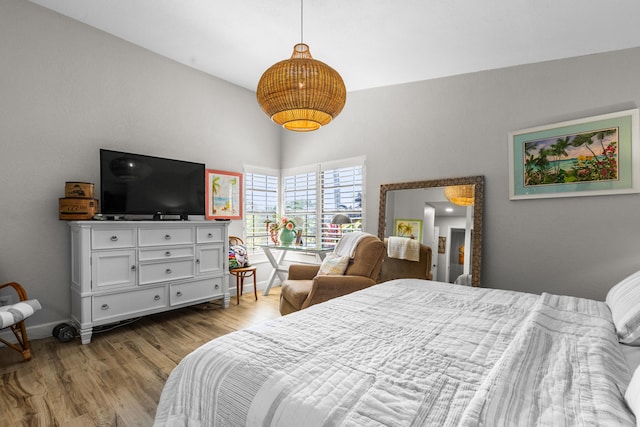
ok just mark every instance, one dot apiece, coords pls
pixel 411 228
pixel 580 157
pixel 224 195
pixel 215 188
pixel 591 156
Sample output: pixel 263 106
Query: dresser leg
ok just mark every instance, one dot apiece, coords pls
pixel 85 335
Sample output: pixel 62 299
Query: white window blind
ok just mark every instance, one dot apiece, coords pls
pixel 342 193
pixel 300 192
pixel 261 203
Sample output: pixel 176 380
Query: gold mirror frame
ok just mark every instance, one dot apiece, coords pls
pixel 478 211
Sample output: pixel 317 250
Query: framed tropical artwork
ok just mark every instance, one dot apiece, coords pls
pixel 597 155
pixel 224 194
pixel 411 228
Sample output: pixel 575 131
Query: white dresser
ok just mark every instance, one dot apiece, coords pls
pixel 126 269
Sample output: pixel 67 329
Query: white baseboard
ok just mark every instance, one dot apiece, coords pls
pixel 34 332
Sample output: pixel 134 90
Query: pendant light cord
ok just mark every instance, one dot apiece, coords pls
pixel 301 21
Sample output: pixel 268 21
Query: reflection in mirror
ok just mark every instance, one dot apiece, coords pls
pixel 450 211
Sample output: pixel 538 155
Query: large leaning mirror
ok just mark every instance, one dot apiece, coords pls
pixel 448 213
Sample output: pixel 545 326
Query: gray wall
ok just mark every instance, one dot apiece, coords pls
pixel 458 126
pixel 67 90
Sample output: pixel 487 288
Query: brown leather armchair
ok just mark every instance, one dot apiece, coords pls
pixel 304 288
pixel 393 268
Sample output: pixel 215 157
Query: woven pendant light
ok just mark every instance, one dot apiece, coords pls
pixel 461 195
pixel 301 93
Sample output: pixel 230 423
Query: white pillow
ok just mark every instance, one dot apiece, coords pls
pixel 632 396
pixel 334 265
pixel 624 301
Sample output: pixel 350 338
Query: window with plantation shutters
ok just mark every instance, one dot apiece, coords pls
pixel 300 193
pixel 261 204
pixel 315 194
pixel 342 190
pixel 311 196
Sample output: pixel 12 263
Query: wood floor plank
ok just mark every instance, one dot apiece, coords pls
pixel 117 379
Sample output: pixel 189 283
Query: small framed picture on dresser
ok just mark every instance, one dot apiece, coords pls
pixel 223 194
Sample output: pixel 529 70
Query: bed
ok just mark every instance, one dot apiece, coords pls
pixel 411 352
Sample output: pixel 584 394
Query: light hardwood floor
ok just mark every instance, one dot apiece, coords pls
pixel 116 380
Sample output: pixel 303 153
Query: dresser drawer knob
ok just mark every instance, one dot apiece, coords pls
pixel 216 286
pixel 167 253
pixel 133 268
pixel 156 298
pixel 114 238
pixel 104 307
pixel 198 261
pixel 179 294
pixel 210 235
pixel 167 237
pixel 168 271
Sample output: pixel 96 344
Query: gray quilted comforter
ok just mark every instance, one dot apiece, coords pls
pixel 411 353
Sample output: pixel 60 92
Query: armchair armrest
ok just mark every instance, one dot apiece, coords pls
pixel 327 287
pixel 303 271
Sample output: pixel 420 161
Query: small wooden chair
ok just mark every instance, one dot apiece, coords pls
pixel 241 273
pixel 13 315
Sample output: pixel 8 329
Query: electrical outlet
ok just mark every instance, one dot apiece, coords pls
pixel 5 300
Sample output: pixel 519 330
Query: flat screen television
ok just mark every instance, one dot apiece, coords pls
pixel 135 184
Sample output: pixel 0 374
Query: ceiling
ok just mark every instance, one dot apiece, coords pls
pixel 371 43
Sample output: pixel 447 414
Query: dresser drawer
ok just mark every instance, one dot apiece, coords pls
pixel 167 253
pixel 128 304
pixel 184 293
pixel 166 236
pixel 165 271
pixel 113 238
pixel 210 234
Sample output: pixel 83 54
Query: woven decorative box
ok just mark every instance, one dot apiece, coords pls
pixel 77 209
pixel 83 190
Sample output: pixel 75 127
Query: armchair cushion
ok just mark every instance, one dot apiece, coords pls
pixel 238 256
pixel 14 313
pixel 334 265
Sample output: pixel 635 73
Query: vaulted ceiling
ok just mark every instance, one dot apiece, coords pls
pixel 371 43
